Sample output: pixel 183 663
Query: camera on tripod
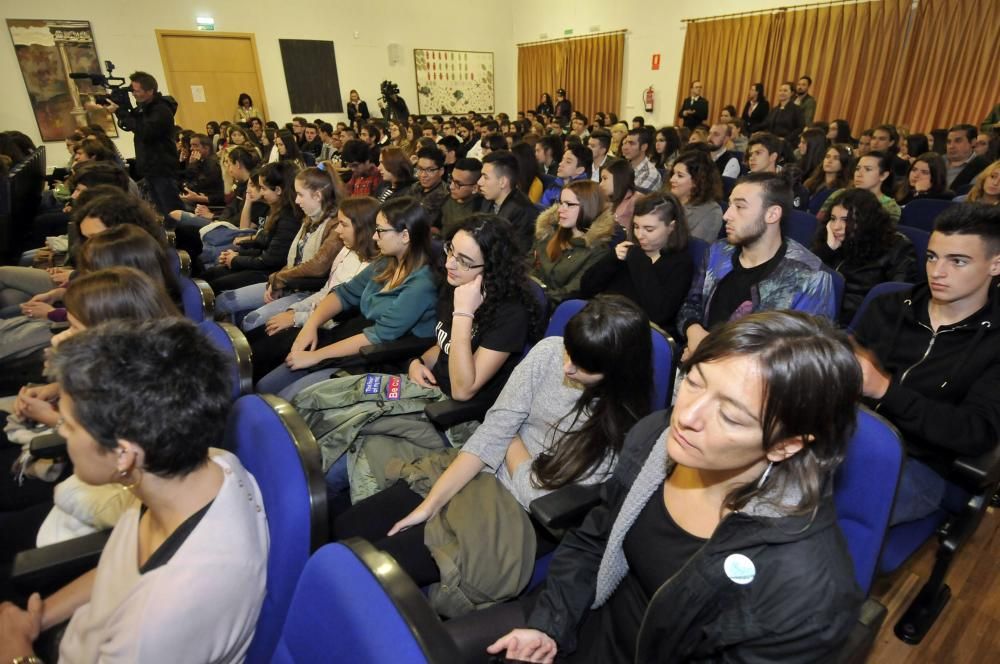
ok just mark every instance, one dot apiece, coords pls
pixel 114 85
pixel 388 89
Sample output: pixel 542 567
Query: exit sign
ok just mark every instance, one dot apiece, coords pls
pixel 568 31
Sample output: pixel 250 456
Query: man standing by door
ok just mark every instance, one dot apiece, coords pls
pixel 151 122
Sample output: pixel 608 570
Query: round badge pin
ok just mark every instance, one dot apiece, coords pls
pixel 739 569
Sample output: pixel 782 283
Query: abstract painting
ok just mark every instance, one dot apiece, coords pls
pixel 453 82
pixel 47 52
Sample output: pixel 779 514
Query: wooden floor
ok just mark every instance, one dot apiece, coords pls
pixel 968 630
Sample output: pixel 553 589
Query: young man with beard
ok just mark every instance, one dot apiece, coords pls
pixel 754 268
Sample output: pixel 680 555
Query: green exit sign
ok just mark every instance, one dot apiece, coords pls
pixel 568 31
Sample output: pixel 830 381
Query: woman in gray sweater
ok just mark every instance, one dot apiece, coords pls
pixel 696 182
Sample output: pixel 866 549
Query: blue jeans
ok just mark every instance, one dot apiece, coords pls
pixel 920 493
pixel 337 480
pixel 192 220
pixel 237 301
pixel 286 383
pixel 262 314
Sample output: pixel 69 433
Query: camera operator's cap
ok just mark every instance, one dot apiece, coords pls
pixel 561 92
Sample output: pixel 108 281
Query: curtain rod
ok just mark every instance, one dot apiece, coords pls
pixel 774 10
pixel 595 34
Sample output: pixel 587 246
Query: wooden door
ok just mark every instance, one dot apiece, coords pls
pixel 215 67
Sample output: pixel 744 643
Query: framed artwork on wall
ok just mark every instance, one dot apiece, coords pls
pixel 453 82
pixel 47 53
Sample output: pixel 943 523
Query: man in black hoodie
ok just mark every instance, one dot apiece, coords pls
pixel 931 356
pixel 152 123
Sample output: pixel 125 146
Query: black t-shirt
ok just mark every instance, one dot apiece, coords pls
pixel 655 548
pixel 507 333
pixel 734 296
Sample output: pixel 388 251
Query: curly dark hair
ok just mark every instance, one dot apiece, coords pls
pixel 869 232
pixel 120 372
pixel 505 274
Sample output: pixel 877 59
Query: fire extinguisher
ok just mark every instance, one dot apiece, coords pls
pixel 648 97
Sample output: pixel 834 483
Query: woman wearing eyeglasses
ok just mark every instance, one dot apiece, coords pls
pixel 571 237
pixel 393 297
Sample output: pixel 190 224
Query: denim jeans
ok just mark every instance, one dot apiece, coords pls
pixel 262 314
pixel 920 493
pixel 238 301
pixel 192 220
pixel 286 383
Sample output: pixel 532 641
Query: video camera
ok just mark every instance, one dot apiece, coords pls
pixel 115 86
pixel 388 89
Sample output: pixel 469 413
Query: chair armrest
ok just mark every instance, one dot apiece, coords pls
pixel 977 473
pixel 446 414
pixel 394 351
pixel 305 284
pixel 565 507
pixel 51 567
pixel 48 446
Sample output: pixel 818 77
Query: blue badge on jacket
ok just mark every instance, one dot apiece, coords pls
pixel 373 384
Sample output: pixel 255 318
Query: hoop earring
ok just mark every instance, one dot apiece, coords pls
pixel 128 482
pixel 767 471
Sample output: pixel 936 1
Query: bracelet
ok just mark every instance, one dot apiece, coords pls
pixel 462 313
pixel 30 659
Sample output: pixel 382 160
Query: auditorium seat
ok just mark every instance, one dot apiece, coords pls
pixel 877 291
pixel 800 226
pixel 197 299
pixel 230 340
pixel 922 212
pixel 919 238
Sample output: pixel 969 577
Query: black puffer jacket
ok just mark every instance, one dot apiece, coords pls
pixel 897 263
pixel 944 387
pixel 799 607
pixel 153 126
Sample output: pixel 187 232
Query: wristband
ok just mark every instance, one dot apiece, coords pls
pixel 463 314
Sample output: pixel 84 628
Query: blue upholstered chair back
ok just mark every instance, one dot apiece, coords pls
pixel 922 212
pixel 698 250
pixel 230 340
pixel 275 445
pixel 919 238
pixel 800 226
pixel 816 200
pixel 839 285
pixel 354 604
pixel 864 490
pixel 877 291
pixel 197 298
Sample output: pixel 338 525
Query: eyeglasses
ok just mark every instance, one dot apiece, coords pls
pixel 379 231
pixel 463 262
pixel 455 184
pixel 425 171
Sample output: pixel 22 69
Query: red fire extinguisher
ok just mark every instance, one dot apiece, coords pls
pixel 648 98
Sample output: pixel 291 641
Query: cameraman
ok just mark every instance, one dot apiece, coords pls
pixel 152 122
pixel 392 105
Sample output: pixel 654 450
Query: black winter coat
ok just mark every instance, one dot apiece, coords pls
pixel 800 607
pixel 268 250
pixel 944 385
pixel 518 209
pixel 153 126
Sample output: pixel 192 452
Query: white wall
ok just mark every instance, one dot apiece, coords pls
pixel 124 32
pixel 654 26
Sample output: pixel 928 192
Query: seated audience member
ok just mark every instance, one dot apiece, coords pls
pixel 963 163
pixel 317 194
pixel 618 186
pixel 885 139
pixel 576 162
pixel 450 147
pixel 288 150
pixel 365 177
pixel 312 143
pixel 754 268
pixel 652 268
pixel 839 132
pixel 202 175
pixel 548 153
pixel 528 171
pixel 255 259
pixel 117 293
pixel 272 329
pixel 492 143
pixel 430 189
pixel 665 149
pixel 619 130
pixel 393 296
pixel 755 111
pixel 764 155
pixel 634 149
pixel 397 174
pixel 464 198
pixel 559 420
pixel 695 181
pixel 736 465
pixel 570 237
pixel 240 163
pixel 832 173
pixel 183 576
pixel 785 119
pixel 926 179
pixel 871 172
pixel 864 144
pixel 985 188
pixel 939 389
pixel 725 160
pixel 811 150
pixel 599 143
pixel 486 314
pixel 861 243
pixel 498 186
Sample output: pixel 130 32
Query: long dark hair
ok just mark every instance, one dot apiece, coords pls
pixel 815 151
pixel 843 132
pixel 527 165
pixel 704 174
pixel 818 177
pixel 622 179
pixel 117 293
pixel 292 152
pixel 128 245
pixel 812 383
pixel 505 273
pixel 869 231
pixel 884 166
pixel 362 210
pixel 406 214
pixel 592 201
pixel 610 336
pixel 939 176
